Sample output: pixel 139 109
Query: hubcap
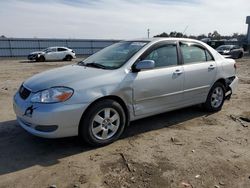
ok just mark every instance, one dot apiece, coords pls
pixel 105 123
pixel 217 97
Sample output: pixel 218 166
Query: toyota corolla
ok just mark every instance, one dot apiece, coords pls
pixel 98 97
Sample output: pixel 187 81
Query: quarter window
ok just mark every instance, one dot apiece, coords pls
pixel 164 56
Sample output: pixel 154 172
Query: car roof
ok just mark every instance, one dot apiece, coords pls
pixel 161 38
pixel 158 39
pixel 58 47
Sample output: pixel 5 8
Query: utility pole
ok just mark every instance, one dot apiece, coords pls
pixel 248 31
pixel 148 32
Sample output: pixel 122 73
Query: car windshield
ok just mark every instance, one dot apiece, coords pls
pixel 225 47
pixel 114 56
pixel 47 50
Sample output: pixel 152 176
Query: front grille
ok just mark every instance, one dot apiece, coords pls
pixel 24 92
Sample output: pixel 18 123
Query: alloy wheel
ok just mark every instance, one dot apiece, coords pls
pixel 105 123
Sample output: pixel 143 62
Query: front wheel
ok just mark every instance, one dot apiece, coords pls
pixel 40 59
pixel 215 98
pixel 103 123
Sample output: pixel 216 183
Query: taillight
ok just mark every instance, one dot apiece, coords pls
pixel 235 66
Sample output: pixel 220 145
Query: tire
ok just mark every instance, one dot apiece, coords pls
pixel 215 98
pixel 240 55
pixel 96 130
pixel 40 59
pixel 68 58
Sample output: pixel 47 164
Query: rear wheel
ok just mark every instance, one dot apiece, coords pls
pixel 215 98
pixel 68 58
pixel 240 55
pixel 103 123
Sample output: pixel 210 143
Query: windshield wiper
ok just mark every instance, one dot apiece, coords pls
pixel 81 63
pixel 96 65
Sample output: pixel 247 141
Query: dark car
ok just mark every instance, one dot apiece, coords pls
pixel 232 51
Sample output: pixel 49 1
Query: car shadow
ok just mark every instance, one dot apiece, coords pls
pixel 169 119
pixel 20 150
pixel 27 61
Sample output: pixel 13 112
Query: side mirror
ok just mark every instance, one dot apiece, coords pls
pixel 144 65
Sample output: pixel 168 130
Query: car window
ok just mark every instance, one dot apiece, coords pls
pixel 53 49
pixel 164 56
pixel 61 49
pixel 209 56
pixel 116 55
pixel 194 54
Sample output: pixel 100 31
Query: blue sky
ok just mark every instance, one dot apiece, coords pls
pixel 120 19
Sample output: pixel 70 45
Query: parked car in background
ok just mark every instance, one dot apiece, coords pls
pixel 53 54
pixel 232 51
pixel 98 97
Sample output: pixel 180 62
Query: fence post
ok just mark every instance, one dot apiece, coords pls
pixel 10 47
pixel 67 45
pixel 39 45
pixel 91 46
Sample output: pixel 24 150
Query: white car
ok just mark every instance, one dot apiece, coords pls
pixel 52 54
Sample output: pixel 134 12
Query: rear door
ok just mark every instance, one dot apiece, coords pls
pixel 61 53
pixel 199 72
pixel 158 89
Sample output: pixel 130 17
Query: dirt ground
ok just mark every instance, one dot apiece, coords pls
pixel 184 148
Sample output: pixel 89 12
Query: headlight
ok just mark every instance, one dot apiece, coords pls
pixel 52 95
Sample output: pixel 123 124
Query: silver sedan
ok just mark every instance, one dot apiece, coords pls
pixel 98 97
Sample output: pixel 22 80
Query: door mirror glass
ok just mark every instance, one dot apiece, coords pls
pixel 144 64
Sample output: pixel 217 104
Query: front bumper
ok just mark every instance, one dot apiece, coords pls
pixel 48 120
pixel 32 57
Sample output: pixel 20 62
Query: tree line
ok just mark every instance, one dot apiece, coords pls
pixel 215 35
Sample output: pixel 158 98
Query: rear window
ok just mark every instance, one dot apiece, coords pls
pixel 61 49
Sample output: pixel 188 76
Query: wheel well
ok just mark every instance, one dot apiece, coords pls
pixel 222 80
pixel 112 97
pixel 241 54
pixel 41 56
pixel 68 55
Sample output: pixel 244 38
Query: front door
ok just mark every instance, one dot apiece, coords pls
pixel 158 89
pixel 51 54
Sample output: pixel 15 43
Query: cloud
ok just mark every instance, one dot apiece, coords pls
pixel 120 19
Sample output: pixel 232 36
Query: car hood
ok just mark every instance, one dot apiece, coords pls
pixel 64 76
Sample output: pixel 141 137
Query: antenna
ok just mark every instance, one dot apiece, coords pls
pixel 185 30
pixel 148 32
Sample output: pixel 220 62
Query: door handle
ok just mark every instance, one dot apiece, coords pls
pixel 211 67
pixel 177 72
